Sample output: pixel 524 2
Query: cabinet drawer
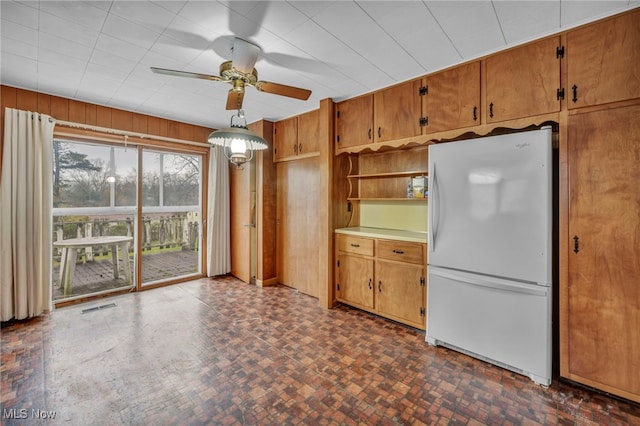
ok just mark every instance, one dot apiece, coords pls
pixel 399 250
pixel 357 245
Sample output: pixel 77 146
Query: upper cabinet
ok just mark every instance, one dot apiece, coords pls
pixel 308 132
pixel 524 81
pixel 397 111
pixel 297 136
pixel 452 98
pixel 603 61
pixel 354 122
pixel 285 138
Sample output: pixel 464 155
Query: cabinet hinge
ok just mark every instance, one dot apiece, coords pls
pixel 424 90
pixel 338 286
pixel 338 138
pixel 422 281
pixel 338 114
pixel 338 263
pixel 424 121
pixel 560 94
pixel 421 311
pixel 560 52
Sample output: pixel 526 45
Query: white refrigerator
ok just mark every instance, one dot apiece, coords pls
pixel 489 252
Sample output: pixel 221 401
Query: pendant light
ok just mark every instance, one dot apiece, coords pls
pixel 238 141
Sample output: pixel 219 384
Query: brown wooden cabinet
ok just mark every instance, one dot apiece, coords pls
pixel 603 61
pixel 298 186
pixel 397 111
pixel 452 98
pixel 523 81
pixel 600 303
pixel 285 138
pixel 383 276
pixel 308 132
pixel 385 115
pixel 297 136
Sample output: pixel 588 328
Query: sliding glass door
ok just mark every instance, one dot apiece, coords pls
pixel 111 201
pixel 171 215
pixel 94 218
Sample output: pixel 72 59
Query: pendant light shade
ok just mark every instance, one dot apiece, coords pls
pixel 238 141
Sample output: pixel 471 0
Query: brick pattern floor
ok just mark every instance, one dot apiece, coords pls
pixel 218 351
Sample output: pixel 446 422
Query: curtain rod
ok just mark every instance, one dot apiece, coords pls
pixel 126 133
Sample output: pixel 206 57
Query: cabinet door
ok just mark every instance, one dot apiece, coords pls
pixel 285 138
pixel 397 111
pixel 297 218
pixel 354 122
pixel 355 280
pixel 400 294
pixel 242 200
pixel 602 302
pixel 452 100
pixel 523 82
pixel 308 132
pixel 603 61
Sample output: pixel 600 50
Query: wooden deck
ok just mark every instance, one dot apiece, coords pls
pixel 97 276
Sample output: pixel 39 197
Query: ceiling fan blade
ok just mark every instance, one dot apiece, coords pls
pixel 234 100
pixel 245 55
pixel 282 90
pixel 185 74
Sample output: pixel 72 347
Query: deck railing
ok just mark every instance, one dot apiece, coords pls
pixel 162 230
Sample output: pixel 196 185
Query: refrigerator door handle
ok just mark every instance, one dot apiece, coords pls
pixel 434 213
pixel 493 282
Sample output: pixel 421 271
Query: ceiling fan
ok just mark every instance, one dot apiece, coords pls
pixel 240 72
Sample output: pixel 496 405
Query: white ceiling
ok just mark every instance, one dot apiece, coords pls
pixel 101 51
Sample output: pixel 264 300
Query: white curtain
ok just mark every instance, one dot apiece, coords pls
pixel 219 215
pixel 25 222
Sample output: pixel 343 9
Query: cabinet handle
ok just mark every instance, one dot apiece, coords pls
pixel 295 148
pixel 576 244
pixel 369 133
pixel 355 245
pixel 299 148
pixel 491 110
pixel 575 93
pixel 379 286
pixel 475 113
pixel 396 251
pixel 370 288
pixel 379 132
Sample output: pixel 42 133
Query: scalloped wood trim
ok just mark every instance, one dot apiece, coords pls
pixel 456 134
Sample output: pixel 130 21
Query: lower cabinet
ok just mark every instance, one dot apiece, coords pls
pixel 386 277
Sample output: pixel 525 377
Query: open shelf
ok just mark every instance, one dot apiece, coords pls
pixel 388 199
pixel 391 174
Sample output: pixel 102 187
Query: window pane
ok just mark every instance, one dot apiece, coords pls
pixel 151 178
pixel 126 176
pixel 80 175
pixel 181 180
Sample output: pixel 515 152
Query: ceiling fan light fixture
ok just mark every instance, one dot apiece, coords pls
pixel 238 141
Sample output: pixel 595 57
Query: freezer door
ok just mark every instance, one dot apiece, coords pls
pixel 490 205
pixel 504 322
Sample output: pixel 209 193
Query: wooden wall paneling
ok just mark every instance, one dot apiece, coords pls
pixel 139 123
pixel 163 127
pixel 153 125
pixel 44 103
pixel 8 99
pixel 91 114
pixel 27 100
pixel 185 131
pixel 201 134
pixel 103 116
pixel 173 129
pixel 240 189
pixel 77 111
pixel 121 120
pixel 325 212
pixel 60 108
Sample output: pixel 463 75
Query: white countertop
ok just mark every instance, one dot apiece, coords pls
pixel 391 234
